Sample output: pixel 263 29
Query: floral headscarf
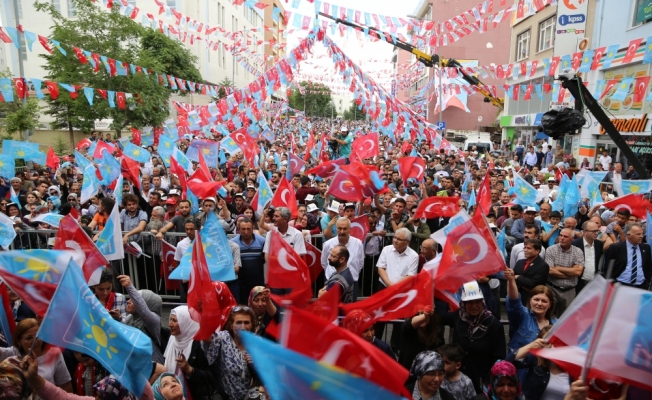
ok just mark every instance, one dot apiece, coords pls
pixel 12 381
pixel 502 369
pixel 110 389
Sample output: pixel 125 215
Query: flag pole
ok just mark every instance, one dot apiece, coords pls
pixel 285 325
pixel 603 309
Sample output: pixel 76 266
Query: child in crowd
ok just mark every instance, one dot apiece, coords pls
pixel 456 383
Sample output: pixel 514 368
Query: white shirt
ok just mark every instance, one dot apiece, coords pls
pixel 530 159
pixel 589 261
pixel 182 247
pixel 398 266
pixel 605 161
pixel 519 254
pixel 293 237
pixel 356 256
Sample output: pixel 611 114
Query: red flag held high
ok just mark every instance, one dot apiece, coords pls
pixel 312 258
pixel 635 203
pixel 167 264
pixel 286 270
pixel 130 170
pixel 71 236
pixel 436 207
pixel 135 136
pixel 366 146
pixel 202 301
pixel 345 186
pixel 402 300
pixel 6 304
pixel 483 198
pixel 327 169
pixel 225 300
pixel 201 186
pixel 102 146
pixel 36 295
pixel 360 227
pixel 284 197
pixel 411 167
pixel 52 160
pixel 176 169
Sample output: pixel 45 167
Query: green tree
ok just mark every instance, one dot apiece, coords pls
pixel 61 146
pixel 353 114
pixel 118 37
pixel 221 93
pixel 16 118
pixel 317 100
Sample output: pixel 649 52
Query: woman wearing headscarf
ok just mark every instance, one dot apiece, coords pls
pixel 54 203
pixel 168 387
pixel 479 332
pixel 184 356
pixel 144 309
pixel 418 334
pixel 263 307
pixel 503 383
pixel 226 352
pixel 106 389
pixel 426 376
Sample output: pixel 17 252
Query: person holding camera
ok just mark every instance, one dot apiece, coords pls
pixel 344 140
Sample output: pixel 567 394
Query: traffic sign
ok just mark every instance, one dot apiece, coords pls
pixel 441 125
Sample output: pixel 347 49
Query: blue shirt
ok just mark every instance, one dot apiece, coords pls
pixel 345 149
pixel 523 324
pixel 324 223
pixel 518 229
pixel 626 276
pixel 252 271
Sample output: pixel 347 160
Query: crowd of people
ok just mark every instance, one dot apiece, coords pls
pixel 550 257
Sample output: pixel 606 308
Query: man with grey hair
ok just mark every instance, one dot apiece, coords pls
pixel 16 184
pixel 566 264
pixel 352 244
pixel 292 236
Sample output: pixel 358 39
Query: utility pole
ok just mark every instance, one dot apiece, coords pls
pixel 21 69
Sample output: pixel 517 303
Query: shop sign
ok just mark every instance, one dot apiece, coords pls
pixel 640 146
pixel 522 120
pixel 628 125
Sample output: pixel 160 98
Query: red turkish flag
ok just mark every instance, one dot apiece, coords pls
pixel 411 167
pixel 21 89
pixel 112 67
pixel 6 304
pixel 202 301
pixel 436 207
pixel 44 42
pixel 177 170
pixel 327 169
pixel 52 160
pixel 360 227
pixel 130 170
pixel 71 236
pixel 319 339
pixel 35 294
pixel 577 59
pixel 225 300
pixel 470 253
pixel 635 203
pixel 366 146
pixel 121 100
pixel 135 136
pixel 167 263
pixel 641 88
pixel 74 214
pixel 402 300
pixel 610 84
pixel 631 50
pixel 5 38
pixel 520 13
pixel 202 186
pixel 247 144
pixel 102 146
pixel 286 270
pixel 312 258
pixel 80 55
pixel 345 186
pixel 599 52
pixel 553 66
pixel 533 68
pixel 483 198
pixel 539 4
pixel 285 197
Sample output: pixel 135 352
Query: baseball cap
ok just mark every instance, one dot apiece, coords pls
pixel 170 201
pixel 210 199
pixel 334 206
pixel 530 209
pixel 312 207
pixel 552 179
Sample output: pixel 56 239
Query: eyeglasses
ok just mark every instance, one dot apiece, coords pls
pixel 400 239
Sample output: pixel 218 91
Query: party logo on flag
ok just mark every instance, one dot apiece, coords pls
pixel 639 354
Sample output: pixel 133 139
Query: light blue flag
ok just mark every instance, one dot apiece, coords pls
pixel 217 250
pixel 635 186
pixel 289 375
pixel 13 34
pixel 572 198
pixel 118 190
pixel 111 98
pixel 136 152
pixel 228 145
pixel 207 148
pixel 37 87
pixel 598 176
pixel 610 55
pixel 7 167
pixel 77 321
pixel 472 199
pixel 558 204
pixel 587 60
pixel 182 160
pixel 590 190
pixel 525 193
pixel 465 185
pixel 165 148
pixel 647 56
pixel 648 227
pixel 13 196
pixel 36 265
pixel 7 231
pixel 30 38
pixel 623 89
pixel 500 240
pixel 7 90
pixel 194 201
pixel 109 168
pixel 147 136
pixel 265 194
pixel 90 94
pixel 547 228
pixel 4 325
pixel 81 160
pixel 18 149
pixel 110 240
pixel 90 184
pixel 49 218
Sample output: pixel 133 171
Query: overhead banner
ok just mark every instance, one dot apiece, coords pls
pixel 571 25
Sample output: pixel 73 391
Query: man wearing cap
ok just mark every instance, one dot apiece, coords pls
pixel 518 229
pixel 170 209
pixel 239 203
pixel 344 140
pixel 251 193
pixel 329 220
pixel 221 210
pixel 353 245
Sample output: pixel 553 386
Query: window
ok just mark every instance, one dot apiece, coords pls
pixel 547 33
pixel 172 3
pixel 642 12
pixel 20 8
pixel 57 5
pixel 72 9
pixel 219 13
pixel 23 47
pixel 523 46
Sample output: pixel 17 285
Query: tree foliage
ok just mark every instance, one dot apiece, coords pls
pixel 222 93
pixel 115 36
pixel 353 114
pixel 16 118
pixel 319 104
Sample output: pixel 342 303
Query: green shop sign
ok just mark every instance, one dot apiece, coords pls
pixel 644 12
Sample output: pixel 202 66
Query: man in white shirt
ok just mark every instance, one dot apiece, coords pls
pixel 182 248
pixel 353 245
pixel 292 236
pixel 397 261
pixel 518 250
pixel 605 160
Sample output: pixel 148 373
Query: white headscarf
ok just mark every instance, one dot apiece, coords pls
pixel 181 342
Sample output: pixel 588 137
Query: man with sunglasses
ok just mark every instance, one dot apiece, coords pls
pixel 592 250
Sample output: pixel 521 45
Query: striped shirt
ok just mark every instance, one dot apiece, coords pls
pixel 557 257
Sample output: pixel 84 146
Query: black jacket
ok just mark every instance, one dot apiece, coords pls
pixel 598 247
pixel 535 274
pixel 618 253
pixel 610 176
pixel 442 392
pixel 204 378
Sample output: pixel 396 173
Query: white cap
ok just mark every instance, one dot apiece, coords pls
pixel 174 192
pixel 441 173
pixel 344 129
pixel 349 205
pixel 471 291
pixel 536 183
pixel 334 207
pixel 309 197
pixel 312 207
pixel 210 199
pixel 552 179
pixel 530 209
